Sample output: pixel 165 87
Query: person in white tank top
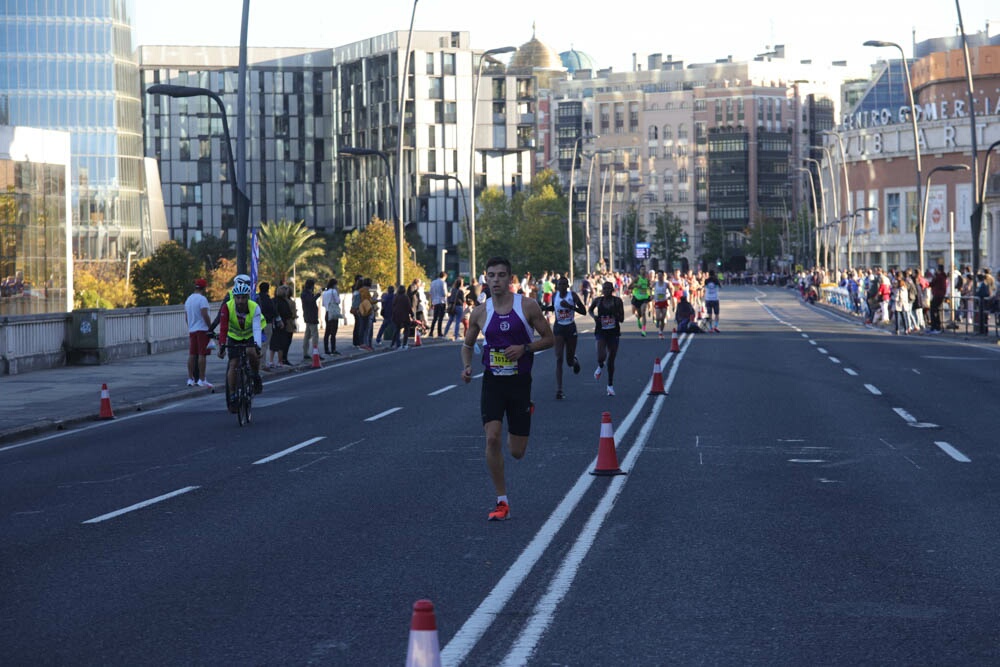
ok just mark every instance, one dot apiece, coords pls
pixel 565 304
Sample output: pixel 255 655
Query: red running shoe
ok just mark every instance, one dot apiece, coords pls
pixel 501 513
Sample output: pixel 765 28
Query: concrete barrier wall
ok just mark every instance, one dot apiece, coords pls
pixel 36 342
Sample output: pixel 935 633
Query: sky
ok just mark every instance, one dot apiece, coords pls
pixel 609 35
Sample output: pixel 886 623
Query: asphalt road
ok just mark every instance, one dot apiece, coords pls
pixel 809 492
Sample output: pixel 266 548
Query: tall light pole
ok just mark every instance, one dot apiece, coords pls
pixel 366 152
pixel 611 223
pixel 600 218
pixel 821 211
pixel 569 190
pixel 451 177
pixel 241 203
pixel 977 194
pixel 927 192
pixel 812 190
pixel 847 185
pixel 850 237
pixel 471 206
pixel 590 175
pixel 916 142
pixel 404 74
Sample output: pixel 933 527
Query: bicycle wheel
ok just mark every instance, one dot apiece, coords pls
pixel 247 397
pixel 241 397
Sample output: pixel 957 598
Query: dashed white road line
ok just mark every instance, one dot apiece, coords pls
pixel 291 449
pixel 442 390
pixel 383 414
pixel 905 415
pixel 873 389
pixel 144 503
pixel 822 350
pixel 851 372
pixel 952 452
pixel 834 360
pixel 812 342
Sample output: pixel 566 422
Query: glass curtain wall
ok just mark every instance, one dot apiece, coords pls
pixel 71 65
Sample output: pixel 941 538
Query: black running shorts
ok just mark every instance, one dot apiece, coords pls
pixel 508 396
pixel 564 330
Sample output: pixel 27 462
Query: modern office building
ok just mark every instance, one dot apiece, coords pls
pixel 881 169
pixel 71 66
pixel 305 105
pixel 36 266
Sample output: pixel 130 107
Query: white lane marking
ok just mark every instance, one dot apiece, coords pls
pixel 144 503
pixel 382 414
pixel 442 390
pixel 489 609
pixel 291 449
pixel 905 415
pixel 851 372
pixel 822 350
pixel 962 358
pixel 806 461
pixel 873 389
pixel 541 618
pixel 350 444
pixel 310 463
pixel 812 342
pixel 805 335
pixel 834 360
pixel 953 453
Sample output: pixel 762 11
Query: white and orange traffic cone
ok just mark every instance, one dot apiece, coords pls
pixel 657 389
pixel 416 337
pixel 674 342
pixel 316 363
pixel 607 458
pixel 106 412
pixel 423 650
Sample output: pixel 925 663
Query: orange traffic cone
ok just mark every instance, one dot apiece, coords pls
pixel 106 412
pixel 607 459
pixel 657 389
pixel 423 649
pixel 674 343
pixel 416 338
pixel 316 363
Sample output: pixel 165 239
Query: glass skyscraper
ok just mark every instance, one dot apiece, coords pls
pixel 71 65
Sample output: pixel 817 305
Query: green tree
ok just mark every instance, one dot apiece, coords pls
pixel 100 285
pixel 371 252
pixel 541 232
pixel 166 277
pixel 670 241
pixel 286 245
pixel 764 240
pixel 210 250
pixel 495 226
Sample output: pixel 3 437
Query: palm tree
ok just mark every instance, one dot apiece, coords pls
pixel 285 245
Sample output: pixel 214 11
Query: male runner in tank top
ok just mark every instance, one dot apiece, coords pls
pixel 661 300
pixel 712 301
pixel 566 304
pixel 506 321
pixel 640 299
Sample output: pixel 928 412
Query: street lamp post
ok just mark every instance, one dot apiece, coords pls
pixel 850 237
pixel 846 189
pixel 923 214
pixel 821 211
pixel 812 190
pixel 451 177
pixel 365 152
pixel 590 175
pixel 977 194
pixel 241 203
pixel 916 140
pixel 569 190
pixel 404 75
pixel 471 206
pixel 600 218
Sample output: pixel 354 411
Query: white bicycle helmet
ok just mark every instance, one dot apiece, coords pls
pixel 241 289
pixel 241 278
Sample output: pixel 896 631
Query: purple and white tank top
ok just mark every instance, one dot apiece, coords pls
pixel 502 331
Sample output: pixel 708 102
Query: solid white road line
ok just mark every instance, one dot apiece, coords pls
pixel 294 448
pixel 382 414
pixel 953 453
pixel 873 389
pixel 442 390
pixel 144 503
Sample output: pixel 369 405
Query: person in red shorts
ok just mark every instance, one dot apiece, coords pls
pixel 196 307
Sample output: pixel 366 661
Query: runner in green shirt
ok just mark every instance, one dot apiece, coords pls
pixel 640 300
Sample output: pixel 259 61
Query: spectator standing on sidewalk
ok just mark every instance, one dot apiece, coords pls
pixel 268 313
pixel 401 317
pixel 439 295
pixel 310 316
pixel 418 302
pixel 386 309
pixel 286 312
pixel 366 309
pixel 331 306
pixel 456 306
pixel 196 307
pixel 939 289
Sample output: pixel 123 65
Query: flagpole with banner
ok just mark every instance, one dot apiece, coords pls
pixel 254 258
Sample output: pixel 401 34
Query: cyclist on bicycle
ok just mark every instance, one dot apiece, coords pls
pixel 240 323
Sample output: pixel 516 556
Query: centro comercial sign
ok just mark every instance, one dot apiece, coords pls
pixel 937 110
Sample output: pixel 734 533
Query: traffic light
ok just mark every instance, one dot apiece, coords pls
pixel 684 238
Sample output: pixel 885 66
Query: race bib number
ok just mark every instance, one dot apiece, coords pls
pixel 608 322
pixel 501 365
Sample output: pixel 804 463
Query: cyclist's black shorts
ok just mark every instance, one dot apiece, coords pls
pixel 510 396
pixel 233 347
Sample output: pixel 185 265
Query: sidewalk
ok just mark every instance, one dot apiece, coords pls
pixel 53 399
